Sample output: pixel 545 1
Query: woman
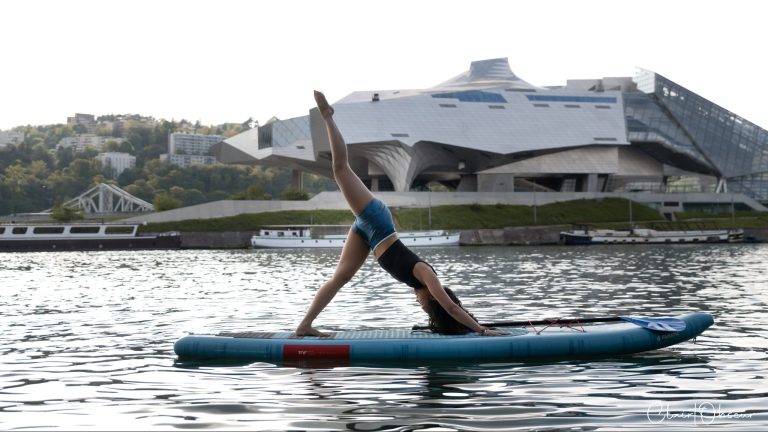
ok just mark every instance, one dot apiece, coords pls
pixel 373 230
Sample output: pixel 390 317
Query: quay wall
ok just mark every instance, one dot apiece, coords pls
pixel 216 240
pixel 512 236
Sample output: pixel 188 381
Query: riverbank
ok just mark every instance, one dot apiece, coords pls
pixel 512 236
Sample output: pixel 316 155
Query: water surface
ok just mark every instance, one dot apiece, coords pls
pixel 87 341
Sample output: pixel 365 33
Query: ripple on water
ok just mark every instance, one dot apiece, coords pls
pixel 88 340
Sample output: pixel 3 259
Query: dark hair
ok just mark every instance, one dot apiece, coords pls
pixel 440 321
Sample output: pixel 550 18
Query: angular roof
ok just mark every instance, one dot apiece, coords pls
pixel 491 72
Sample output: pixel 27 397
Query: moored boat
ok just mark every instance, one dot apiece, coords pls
pixel 313 237
pixel 18 237
pixel 585 235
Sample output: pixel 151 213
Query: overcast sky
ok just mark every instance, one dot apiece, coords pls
pixel 225 61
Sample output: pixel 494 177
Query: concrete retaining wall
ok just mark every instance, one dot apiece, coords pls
pixel 513 236
pixel 758 235
pixel 536 235
pixel 217 240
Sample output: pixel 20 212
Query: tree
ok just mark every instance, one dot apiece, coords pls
pixel 254 192
pixel 63 213
pixel 293 194
pixel 64 157
pixel 163 202
pixel 111 146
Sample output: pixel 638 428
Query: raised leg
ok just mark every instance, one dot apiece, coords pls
pixel 355 193
pixel 353 256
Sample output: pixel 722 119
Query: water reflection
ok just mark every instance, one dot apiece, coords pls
pixel 88 340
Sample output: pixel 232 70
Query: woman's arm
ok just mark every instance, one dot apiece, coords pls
pixel 428 277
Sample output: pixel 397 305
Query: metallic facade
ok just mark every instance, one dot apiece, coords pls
pixel 488 130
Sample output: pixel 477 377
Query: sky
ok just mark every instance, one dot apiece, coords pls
pixel 220 61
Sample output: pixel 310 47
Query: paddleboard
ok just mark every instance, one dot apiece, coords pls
pixel 396 346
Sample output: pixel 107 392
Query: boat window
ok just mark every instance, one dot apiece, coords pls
pixel 119 230
pixel 280 233
pixel 266 233
pixel 84 230
pixel 19 230
pixel 48 230
pixel 2 230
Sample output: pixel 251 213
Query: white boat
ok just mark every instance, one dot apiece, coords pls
pixel 585 235
pixel 16 237
pixel 308 237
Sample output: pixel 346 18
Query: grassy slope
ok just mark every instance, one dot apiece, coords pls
pixel 604 212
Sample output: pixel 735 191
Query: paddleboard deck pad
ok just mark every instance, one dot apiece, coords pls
pixel 397 346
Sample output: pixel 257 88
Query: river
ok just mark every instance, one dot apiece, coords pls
pixel 87 341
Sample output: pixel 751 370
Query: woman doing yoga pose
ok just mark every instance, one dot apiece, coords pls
pixel 373 230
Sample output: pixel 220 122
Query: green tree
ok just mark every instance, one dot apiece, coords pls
pixel 293 194
pixel 163 202
pixel 64 157
pixel 63 213
pixel 254 192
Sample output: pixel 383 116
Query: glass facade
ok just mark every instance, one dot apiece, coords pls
pixel 585 99
pixel 472 96
pixel 284 133
pixel 735 148
pixel 652 129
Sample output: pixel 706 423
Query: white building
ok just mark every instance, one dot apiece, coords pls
pixel 192 144
pixel 187 149
pixel 488 130
pixel 14 138
pixel 117 162
pixel 87 121
pixel 186 161
pixel 80 142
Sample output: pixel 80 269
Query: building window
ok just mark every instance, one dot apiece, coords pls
pixel 265 136
pixel 472 96
pixel 585 99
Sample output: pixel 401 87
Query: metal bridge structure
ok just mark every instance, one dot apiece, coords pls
pixel 107 198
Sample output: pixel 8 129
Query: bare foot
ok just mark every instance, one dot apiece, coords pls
pixel 322 104
pixel 310 331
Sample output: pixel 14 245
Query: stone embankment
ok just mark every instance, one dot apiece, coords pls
pixel 216 240
pixel 480 237
pixel 513 236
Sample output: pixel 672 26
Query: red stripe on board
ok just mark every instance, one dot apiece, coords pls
pixel 298 352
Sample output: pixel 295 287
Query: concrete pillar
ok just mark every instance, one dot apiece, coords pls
pixel 592 183
pixel 296 180
pixel 468 183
